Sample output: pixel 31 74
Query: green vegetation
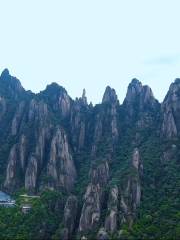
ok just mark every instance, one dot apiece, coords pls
pixel 109 134
pixel 40 223
pixel 159 213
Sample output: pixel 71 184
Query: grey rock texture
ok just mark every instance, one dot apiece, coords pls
pixel 112 218
pixel 11 168
pixel 49 140
pixel 171 111
pixel 110 96
pixel 130 195
pixel 31 174
pixel 2 107
pixel 70 214
pixel 61 167
pixel 38 111
pixel 102 234
pixel 91 211
pixel 17 118
pixel 140 105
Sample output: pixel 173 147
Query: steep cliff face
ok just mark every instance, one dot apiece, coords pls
pixel 16 164
pixel 105 126
pixel 111 221
pixel 171 111
pixel 100 157
pixel 140 106
pixel 79 122
pixel 38 111
pixel 11 168
pixel 17 118
pixel 134 90
pixel 131 190
pixel 109 96
pixel 70 215
pixel 91 211
pixel 60 166
pixel 11 85
pixel 58 99
pixel 139 94
pixel 2 107
pixel 31 174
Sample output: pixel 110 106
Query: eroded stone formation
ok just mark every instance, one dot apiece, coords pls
pixel 48 138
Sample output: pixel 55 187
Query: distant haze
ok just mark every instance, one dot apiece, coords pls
pixel 91 44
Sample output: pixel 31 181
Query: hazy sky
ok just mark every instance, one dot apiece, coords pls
pixel 91 44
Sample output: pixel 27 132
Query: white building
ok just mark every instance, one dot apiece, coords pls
pixel 5 200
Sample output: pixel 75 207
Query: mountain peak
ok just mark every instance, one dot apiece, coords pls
pixel 5 73
pixel 135 82
pixel 171 111
pixel 10 85
pixel 110 95
pixel 84 98
pixel 53 146
pixel 134 90
pixel 173 93
pixel 54 90
pixel 177 81
pixel 140 95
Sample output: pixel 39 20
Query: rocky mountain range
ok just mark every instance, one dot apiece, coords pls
pixel 111 161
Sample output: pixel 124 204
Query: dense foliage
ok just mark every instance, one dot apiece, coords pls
pixel 40 223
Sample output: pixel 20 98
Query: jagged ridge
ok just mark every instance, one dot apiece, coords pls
pixel 53 141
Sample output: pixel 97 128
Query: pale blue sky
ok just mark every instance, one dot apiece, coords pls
pixel 91 44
